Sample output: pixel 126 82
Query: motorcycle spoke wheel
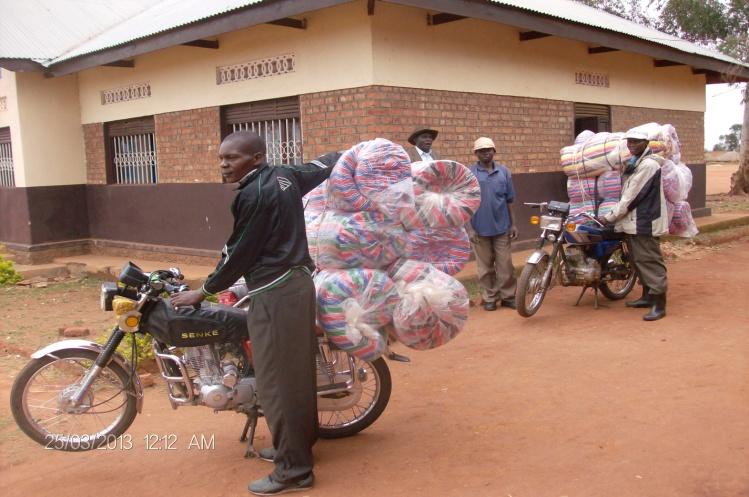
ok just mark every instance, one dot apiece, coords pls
pixel 40 401
pixel 531 289
pixel 346 413
pixel 621 275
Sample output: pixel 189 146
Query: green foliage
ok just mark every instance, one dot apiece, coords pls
pixel 732 140
pixel 8 273
pixel 143 342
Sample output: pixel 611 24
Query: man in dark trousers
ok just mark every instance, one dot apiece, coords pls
pixel 641 214
pixel 269 248
pixel 492 228
pixel 422 140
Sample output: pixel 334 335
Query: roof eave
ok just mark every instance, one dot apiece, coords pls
pixel 479 9
pixel 21 65
pixel 250 16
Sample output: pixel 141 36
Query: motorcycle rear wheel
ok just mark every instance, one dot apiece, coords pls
pixel 347 413
pixel 620 262
pixel 531 290
pixel 40 391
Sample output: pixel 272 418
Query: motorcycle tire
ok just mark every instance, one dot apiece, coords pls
pixel 70 362
pixel 335 426
pixel 619 288
pixel 530 291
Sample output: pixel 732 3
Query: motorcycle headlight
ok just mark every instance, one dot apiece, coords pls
pixel 551 223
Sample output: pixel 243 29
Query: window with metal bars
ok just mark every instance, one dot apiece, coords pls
pixel 131 151
pixel 277 121
pixel 595 117
pixel 7 177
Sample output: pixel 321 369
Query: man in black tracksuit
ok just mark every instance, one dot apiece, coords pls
pixel 269 248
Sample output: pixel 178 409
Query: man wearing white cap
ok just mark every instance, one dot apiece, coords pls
pixel 641 214
pixel 492 228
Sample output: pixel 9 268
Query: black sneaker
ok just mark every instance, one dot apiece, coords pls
pixel 269 486
pixel 508 303
pixel 490 306
pixel 267 454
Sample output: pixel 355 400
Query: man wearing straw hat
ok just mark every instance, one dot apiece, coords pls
pixel 492 228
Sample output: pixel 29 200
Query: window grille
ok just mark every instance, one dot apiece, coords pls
pixel 276 121
pixel 594 117
pixel 132 152
pixel 6 159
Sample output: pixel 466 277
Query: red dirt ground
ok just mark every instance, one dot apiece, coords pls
pixel 571 402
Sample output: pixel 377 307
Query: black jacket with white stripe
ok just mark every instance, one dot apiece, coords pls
pixel 269 236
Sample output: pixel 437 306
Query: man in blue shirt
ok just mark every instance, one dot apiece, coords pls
pixel 492 228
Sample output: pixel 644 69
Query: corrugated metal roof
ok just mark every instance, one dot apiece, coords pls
pixel 162 16
pixel 52 31
pixel 577 12
pixel 41 30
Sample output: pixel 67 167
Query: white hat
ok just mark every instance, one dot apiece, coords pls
pixel 482 143
pixel 636 134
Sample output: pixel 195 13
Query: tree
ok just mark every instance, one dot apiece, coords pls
pixel 718 24
pixel 731 141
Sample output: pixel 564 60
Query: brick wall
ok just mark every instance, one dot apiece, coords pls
pixel 689 125
pixel 528 132
pixel 93 139
pixel 187 145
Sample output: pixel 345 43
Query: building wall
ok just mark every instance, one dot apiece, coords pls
pixel 528 132
pixel 9 118
pixel 187 145
pixel 335 51
pixel 51 137
pixel 93 136
pixel 487 57
pixel 689 125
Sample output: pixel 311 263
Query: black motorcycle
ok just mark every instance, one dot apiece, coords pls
pixel 586 254
pixel 78 395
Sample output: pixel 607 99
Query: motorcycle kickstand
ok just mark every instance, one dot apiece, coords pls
pixel 581 295
pixel 250 425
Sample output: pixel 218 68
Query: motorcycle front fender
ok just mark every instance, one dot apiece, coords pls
pixel 536 257
pixel 50 350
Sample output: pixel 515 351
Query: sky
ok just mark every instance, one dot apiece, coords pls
pixel 723 109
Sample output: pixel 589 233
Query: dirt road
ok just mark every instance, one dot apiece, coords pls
pixel 572 402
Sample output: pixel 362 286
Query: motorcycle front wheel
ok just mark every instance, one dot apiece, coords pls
pixel 348 412
pixel 531 289
pixel 40 402
pixel 621 275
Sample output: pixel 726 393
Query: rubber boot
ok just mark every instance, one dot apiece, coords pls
pixel 643 301
pixel 658 310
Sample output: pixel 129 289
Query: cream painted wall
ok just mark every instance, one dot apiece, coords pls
pixel 334 52
pixel 486 57
pixel 9 118
pixel 51 137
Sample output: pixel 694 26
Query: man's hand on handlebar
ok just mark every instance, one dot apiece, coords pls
pixel 185 299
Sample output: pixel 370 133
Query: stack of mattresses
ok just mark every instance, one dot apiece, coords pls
pixel 384 233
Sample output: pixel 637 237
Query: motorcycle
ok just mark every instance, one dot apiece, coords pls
pixel 77 395
pixel 586 254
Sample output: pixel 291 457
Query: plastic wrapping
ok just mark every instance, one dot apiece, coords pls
pixel 605 206
pixel 446 194
pixel 372 176
pixel 353 306
pixel 316 200
pixel 594 156
pixel 433 306
pixel 677 181
pixel 681 223
pixel 577 208
pixel 447 249
pixel 581 189
pixel 356 239
pixel 664 140
pixel 610 185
